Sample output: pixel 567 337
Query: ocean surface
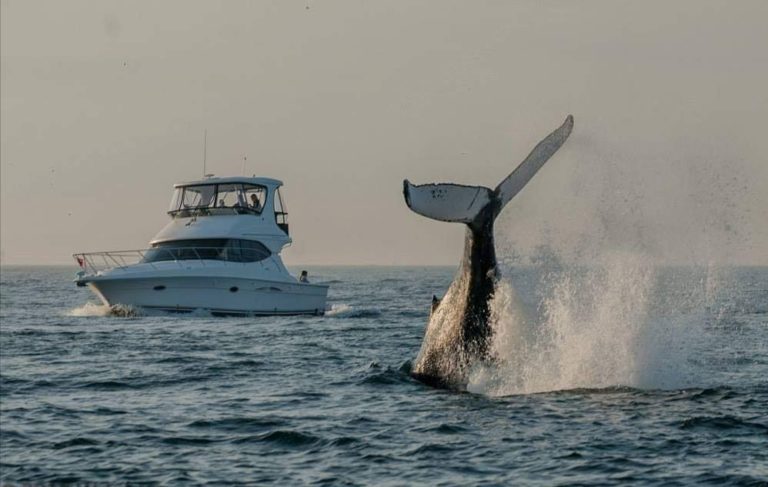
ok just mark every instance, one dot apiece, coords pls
pixel 618 374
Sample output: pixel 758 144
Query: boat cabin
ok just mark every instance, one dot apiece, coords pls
pixel 229 196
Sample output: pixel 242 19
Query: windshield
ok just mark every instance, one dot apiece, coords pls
pixel 198 196
pixel 209 199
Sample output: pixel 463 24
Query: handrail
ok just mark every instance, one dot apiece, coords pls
pixel 95 262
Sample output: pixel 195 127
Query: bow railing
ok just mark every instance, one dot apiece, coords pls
pixel 95 262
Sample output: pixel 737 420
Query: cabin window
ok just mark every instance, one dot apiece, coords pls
pixel 253 251
pixel 230 250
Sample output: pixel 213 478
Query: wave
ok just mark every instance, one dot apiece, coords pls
pixel 430 449
pixel 299 440
pixel 722 423
pixel 109 385
pixel 74 442
pixel 445 429
pixel 188 441
pixel 422 314
pixel 237 424
pixel 285 438
pixel 388 375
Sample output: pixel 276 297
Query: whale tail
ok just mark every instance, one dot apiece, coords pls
pixel 466 204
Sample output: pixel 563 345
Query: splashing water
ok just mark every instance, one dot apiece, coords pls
pixel 93 309
pixel 592 328
pixel 343 310
pixel 90 309
pixel 340 309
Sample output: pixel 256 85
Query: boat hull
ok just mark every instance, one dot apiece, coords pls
pixel 217 295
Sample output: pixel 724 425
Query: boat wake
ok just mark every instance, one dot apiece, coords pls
pixel 343 310
pixel 94 309
pixel 594 328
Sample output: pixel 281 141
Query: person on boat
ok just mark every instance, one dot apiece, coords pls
pixel 255 203
pixel 304 277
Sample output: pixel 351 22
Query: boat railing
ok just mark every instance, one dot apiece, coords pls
pixel 95 262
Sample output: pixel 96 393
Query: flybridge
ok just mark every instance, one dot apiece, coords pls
pixel 229 196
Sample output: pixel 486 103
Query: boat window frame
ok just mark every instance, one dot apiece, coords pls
pixel 235 250
pixel 179 193
pixel 281 212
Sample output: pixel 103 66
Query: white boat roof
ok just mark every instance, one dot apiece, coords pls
pixel 233 179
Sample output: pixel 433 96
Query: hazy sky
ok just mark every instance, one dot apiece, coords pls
pixel 103 107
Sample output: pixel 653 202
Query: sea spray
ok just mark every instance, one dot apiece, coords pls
pixel 591 328
pixel 90 309
pixel 343 310
pixel 339 309
pixel 93 309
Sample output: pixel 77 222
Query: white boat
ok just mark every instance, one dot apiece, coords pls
pixel 219 253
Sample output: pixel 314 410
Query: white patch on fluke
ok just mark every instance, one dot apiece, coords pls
pixel 447 202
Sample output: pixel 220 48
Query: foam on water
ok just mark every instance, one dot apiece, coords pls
pixel 90 309
pixel 593 328
pixel 342 310
pixel 94 309
pixel 339 309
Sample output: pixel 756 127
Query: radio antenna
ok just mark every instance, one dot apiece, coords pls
pixel 205 149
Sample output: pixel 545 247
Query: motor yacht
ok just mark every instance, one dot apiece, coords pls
pixel 219 253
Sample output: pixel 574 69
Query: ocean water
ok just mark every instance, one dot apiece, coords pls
pixel 623 373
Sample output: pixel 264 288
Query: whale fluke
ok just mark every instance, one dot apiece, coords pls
pixel 512 184
pixel 458 203
pixel 458 332
pixel 447 202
